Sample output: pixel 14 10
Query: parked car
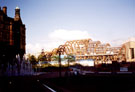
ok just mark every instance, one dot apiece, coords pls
pixel 75 71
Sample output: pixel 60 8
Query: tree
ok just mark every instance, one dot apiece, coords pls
pixel 70 58
pixel 55 58
pixel 42 57
pixel 32 59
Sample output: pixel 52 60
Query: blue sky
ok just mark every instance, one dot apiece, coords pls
pixel 50 23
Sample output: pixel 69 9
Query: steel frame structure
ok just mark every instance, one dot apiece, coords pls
pixel 88 49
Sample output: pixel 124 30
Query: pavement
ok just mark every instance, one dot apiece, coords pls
pixel 21 84
pixel 51 82
pixel 100 82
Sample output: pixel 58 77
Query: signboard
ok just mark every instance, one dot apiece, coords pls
pixel 123 69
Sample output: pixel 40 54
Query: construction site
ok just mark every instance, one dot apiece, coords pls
pixel 102 54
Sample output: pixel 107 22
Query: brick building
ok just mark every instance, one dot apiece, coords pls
pixel 12 36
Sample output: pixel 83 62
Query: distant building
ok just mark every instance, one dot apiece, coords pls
pixel 102 53
pixel 12 36
pixel 130 51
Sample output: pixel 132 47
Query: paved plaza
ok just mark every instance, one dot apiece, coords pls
pixel 51 82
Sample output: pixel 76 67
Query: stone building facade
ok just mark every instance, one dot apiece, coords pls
pixel 12 36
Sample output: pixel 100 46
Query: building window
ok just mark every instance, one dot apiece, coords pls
pixel 1 18
pixel 132 53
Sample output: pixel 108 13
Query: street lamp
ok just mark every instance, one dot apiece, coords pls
pixel 60 50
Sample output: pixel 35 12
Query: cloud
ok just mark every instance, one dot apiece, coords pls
pixel 119 42
pixel 130 39
pixel 33 48
pixel 56 38
pixel 60 36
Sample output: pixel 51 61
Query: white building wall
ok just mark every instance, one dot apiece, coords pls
pixel 128 46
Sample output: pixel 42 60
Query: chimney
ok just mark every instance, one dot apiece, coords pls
pixel 5 10
pixel 17 14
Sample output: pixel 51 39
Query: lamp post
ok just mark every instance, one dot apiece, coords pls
pixel 60 50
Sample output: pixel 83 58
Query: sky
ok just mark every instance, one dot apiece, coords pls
pixel 50 23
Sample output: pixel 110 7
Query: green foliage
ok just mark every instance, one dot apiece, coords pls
pixel 70 57
pixel 42 58
pixel 55 58
pixel 32 59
